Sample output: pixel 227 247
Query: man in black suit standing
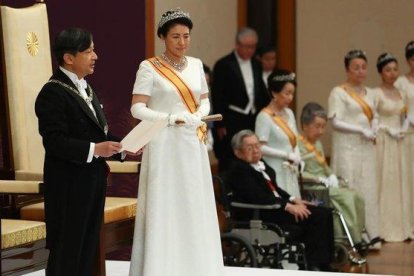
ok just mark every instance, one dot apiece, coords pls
pixel 253 181
pixel 75 137
pixel 238 93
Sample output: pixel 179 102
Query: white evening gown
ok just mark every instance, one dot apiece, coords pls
pixel 354 157
pixel 394 189
pixel 268 131
pixel 407 86
pixel 176 228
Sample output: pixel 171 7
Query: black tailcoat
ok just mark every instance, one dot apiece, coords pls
pixel 74 189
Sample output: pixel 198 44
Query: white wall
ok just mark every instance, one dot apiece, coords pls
pixel 327 29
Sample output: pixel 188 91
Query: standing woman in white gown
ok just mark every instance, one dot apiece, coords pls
pixel 176 228
pixel 393 166
pixel 351 111
pixel 277 131
pixel 406 84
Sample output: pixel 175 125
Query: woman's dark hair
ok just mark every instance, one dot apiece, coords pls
pixel 310 111
pixel 409 50
pixel 278 79
pixel 353 54
pixel 72 41
pixel 178 17
pixel 265 49
pixel 383 60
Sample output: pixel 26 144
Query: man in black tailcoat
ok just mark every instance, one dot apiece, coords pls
pixel 238 93
pixel 75 137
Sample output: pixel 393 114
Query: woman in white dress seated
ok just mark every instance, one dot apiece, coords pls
pixel 277 131
pixel 392 156
pixel 176 229
pixel 351 111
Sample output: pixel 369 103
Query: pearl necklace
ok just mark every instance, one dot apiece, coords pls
pixel 177 66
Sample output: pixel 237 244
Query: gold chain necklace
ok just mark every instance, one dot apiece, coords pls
pixel 88 99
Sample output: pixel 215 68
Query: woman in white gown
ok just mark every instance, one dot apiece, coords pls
pixel 351 111
pixel 393 166
pixel 406 84
pixel 277 131
pixel 176 229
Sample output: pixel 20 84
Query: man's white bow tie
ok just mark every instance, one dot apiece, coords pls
pixel 260 166
pixel 81 84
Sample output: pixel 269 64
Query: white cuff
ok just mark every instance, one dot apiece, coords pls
pixel 90 154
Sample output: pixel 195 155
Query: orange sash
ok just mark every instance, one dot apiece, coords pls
pixel 312 149
pixel 183 90
pixel 283 125
pixel 365 107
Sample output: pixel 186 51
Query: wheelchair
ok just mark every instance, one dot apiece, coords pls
pixel 273 246
pixel 345 247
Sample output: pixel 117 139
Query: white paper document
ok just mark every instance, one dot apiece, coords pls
pixel 140 135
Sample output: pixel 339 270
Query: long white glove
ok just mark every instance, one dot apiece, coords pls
pixel 142 112
pixel 269 151
pixel 203 108
pixel 294 157
pixel 367 133
pixel 333 181
pixel 191 119
pixel 410 118
pixel 405 124
pixel 395 133
pixel 324 180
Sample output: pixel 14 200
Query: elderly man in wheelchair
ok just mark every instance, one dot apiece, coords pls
pixel 326 189
pixel 253 181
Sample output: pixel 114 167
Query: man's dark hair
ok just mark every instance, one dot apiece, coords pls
pixel 72 41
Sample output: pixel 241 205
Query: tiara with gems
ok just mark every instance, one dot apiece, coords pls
pixel 410 46
pixel 290 77
pixel 172 14
pixel 355 53
pixel 387 57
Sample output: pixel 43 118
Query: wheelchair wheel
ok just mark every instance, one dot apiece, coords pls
pixel 340 254
pixel 237 251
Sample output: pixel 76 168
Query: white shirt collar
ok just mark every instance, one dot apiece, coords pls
pixel 259 166
pixel 79 83
pixel 240 60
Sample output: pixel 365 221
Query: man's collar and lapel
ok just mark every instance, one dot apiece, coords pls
pixel 99 120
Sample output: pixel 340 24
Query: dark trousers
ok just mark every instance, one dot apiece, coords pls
pixel 75 251
pixel 317 232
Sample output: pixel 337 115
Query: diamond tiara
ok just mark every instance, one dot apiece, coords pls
pixel 290 77
pixel 172 14
pixel 355 53
pixel 387 57
pixel 410 46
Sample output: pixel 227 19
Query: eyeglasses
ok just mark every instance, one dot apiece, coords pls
pixel 248 46
pixel 250 148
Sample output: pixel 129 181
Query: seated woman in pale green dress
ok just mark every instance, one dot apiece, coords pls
pixel 345 200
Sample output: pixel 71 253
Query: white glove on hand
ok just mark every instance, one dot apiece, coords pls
pixel 395 133
pixel 324 180
pixel 294 157
pixel 174 118
pixel 368 133
pixel 192 119
pixel 333 181
pixel 410 118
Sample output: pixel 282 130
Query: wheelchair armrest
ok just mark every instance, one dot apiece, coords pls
pixel 255 206
pixel 20 187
